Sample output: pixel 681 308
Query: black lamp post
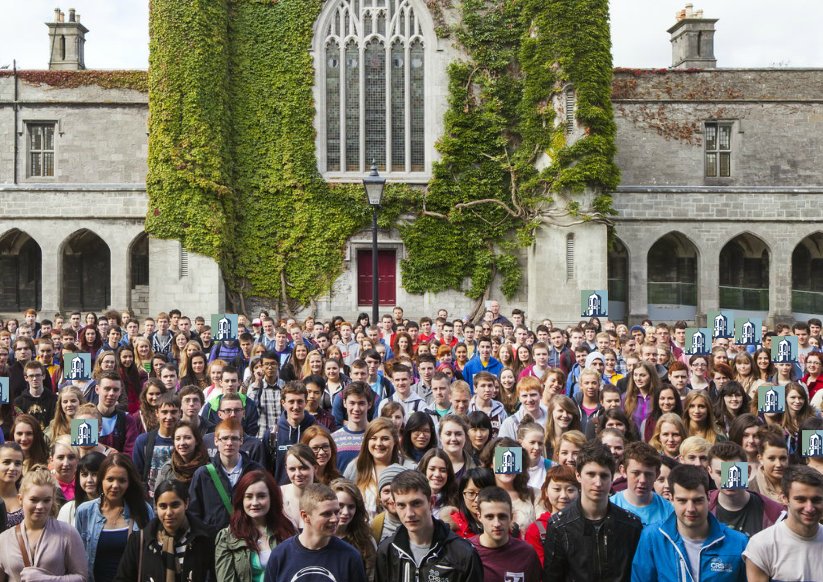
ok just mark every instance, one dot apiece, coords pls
pixel 374 184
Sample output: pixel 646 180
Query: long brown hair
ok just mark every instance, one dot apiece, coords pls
pixel 365 475
pixel 135 494
pixel 329 472
pixel 242 526
pixel 39 450
pixel 358 532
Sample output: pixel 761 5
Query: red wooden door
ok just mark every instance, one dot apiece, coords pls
pixel 386 280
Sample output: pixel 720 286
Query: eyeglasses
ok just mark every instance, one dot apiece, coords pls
pixel 32 376
pixel 470 495
pixel 232 410
pixel 230 439
pixel 320 448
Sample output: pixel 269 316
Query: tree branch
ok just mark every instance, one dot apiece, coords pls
pixel 495 201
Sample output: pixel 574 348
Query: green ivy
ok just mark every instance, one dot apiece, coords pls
pixel 232 160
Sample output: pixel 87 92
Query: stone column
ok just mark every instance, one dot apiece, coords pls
pixel 780 281
pixel 708 282
pixel 51 283
pixel 120 275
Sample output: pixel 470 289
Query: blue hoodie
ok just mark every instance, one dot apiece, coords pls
pixel 287 435
pixel 661 554
pixel 474 366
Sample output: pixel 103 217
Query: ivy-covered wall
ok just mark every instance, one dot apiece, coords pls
pixel 232 161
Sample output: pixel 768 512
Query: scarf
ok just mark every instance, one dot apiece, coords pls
pixel 184 471
pixel 168 545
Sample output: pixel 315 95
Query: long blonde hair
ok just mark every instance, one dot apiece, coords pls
pixel 61 425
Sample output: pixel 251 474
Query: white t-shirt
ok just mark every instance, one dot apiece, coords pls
pixel 784 555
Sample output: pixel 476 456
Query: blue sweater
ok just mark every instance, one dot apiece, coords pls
pixel 337 561
pixel 661 554
pixel 475 365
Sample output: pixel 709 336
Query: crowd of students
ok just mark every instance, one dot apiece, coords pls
pixel 366 451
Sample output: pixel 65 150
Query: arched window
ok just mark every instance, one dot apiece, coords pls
pixel 371 79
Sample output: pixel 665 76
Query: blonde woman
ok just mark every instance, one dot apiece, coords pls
pixel 380 448
pixel 47 549
pixel 68 401
pixel 669 434
pixel 143 353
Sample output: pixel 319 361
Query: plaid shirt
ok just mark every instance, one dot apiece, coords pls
pixel 267 398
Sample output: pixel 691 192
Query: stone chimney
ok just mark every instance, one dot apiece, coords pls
pixel 693 40
pixel 67 39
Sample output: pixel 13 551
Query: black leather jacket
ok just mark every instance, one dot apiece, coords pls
pixel 576 549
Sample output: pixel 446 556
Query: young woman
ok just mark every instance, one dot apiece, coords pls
pixel 418 438
pixel 615 418
pixel 380 448
pixel 85 486
pixel 516 485
pixel 531 437
pixel 313 365
pixel 187 455
pixel 732 401
pixel 151 393
pixel 437 468
pixel 132 376
pixel 774 460
pixel 178 348
pixel 721 375
pixel 464 519
pixel 666 399
pixel 699 372
pixel 106 523
pixel 813 379
pixel 28 434
pixel 454 435
pixel 523 359
pixel 157 362
pixel 335 382
pixel 798 410
pixel 395 413
pixel 90 341
pixel 745 370
pixel 319 440
pixel 480 430
pixel 69 400
pixel 559 490
pixel 461 357
pixel 669 434
pixel 195 373
pixel 784 373
pixel 353 525
pixel 661 484
pixel 563 415
pixel 11 469
pixel 507 355
pixel 403 345
pixel 764 369
pixel 643 384
pixel 257 525
pixel 745 431
pixel 699 417
pixel 318 403
pixel 253 375
pixel 554 383
pixel 301 467
pixel 570 444
pixel 53 550
pixel 143 354
pixel 63 465
pixel 175 545
pixel 293 370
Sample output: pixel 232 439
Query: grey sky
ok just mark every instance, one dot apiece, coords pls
pixel 750 33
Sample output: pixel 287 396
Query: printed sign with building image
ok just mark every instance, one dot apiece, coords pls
pixel 734 474
pixel 77 366
pixel 698 341
pixel 508 460
pixel 771 399
pixel 594 303
pixel 784 349
pixel 811 443
pixel 748 331
pixel 224 327
pixel 4 390
pixel 721 323
pixel 84 432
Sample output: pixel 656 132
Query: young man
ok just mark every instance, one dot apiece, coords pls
pixel 642 467
pixel 559 354
pixel 154 448
pixel 293 422
pixel 679 378
pixel 423 548
pixel 483 401
pixel 348 439
pixel 460 397
pixel 118 429
pixel 191 403
pixel 230 384
pixel 592 539
pixel 162 338
pixel 266 393
pixel 588 398
pixel 387 522
pixel 529 391
pixel 212 486
pixel 740 509
pixel 541 362
pixel 441 405
pixel 349 347
pixel 316 553
pixel 232 407
pixel 791 549
pixel 482 361
pixel 168 376
pixel 23 353
pixel 504 558
pixel 691 544
pixel 376 379
pixel 37 401
pixel 426 366
pixel 581 352
pixel 401 378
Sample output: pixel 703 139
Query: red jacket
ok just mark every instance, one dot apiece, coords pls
pixel 536 534
pixel 813 386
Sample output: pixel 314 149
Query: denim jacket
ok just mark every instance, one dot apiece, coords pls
pixel 89 521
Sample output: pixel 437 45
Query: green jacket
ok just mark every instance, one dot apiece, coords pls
pixel 232 561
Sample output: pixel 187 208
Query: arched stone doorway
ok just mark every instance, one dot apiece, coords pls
pixel 807 277
pixel 744 275
pixel 20 272
pixel 618 280
pixel 672 278
pixel 86 272
pixel 139 275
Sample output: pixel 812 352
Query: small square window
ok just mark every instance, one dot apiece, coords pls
pixel 40 149
pixel 718 140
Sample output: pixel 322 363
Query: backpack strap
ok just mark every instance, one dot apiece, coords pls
pixel 218 484
pixel 23 551
pixel 148 452
pixel 140 559
pixel 541 529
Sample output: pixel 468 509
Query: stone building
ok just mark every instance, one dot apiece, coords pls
pixel 716 208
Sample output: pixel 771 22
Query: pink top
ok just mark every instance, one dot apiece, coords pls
pixel 60 555
pixel 68 489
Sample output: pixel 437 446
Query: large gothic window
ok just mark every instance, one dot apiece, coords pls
pixel 372 82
